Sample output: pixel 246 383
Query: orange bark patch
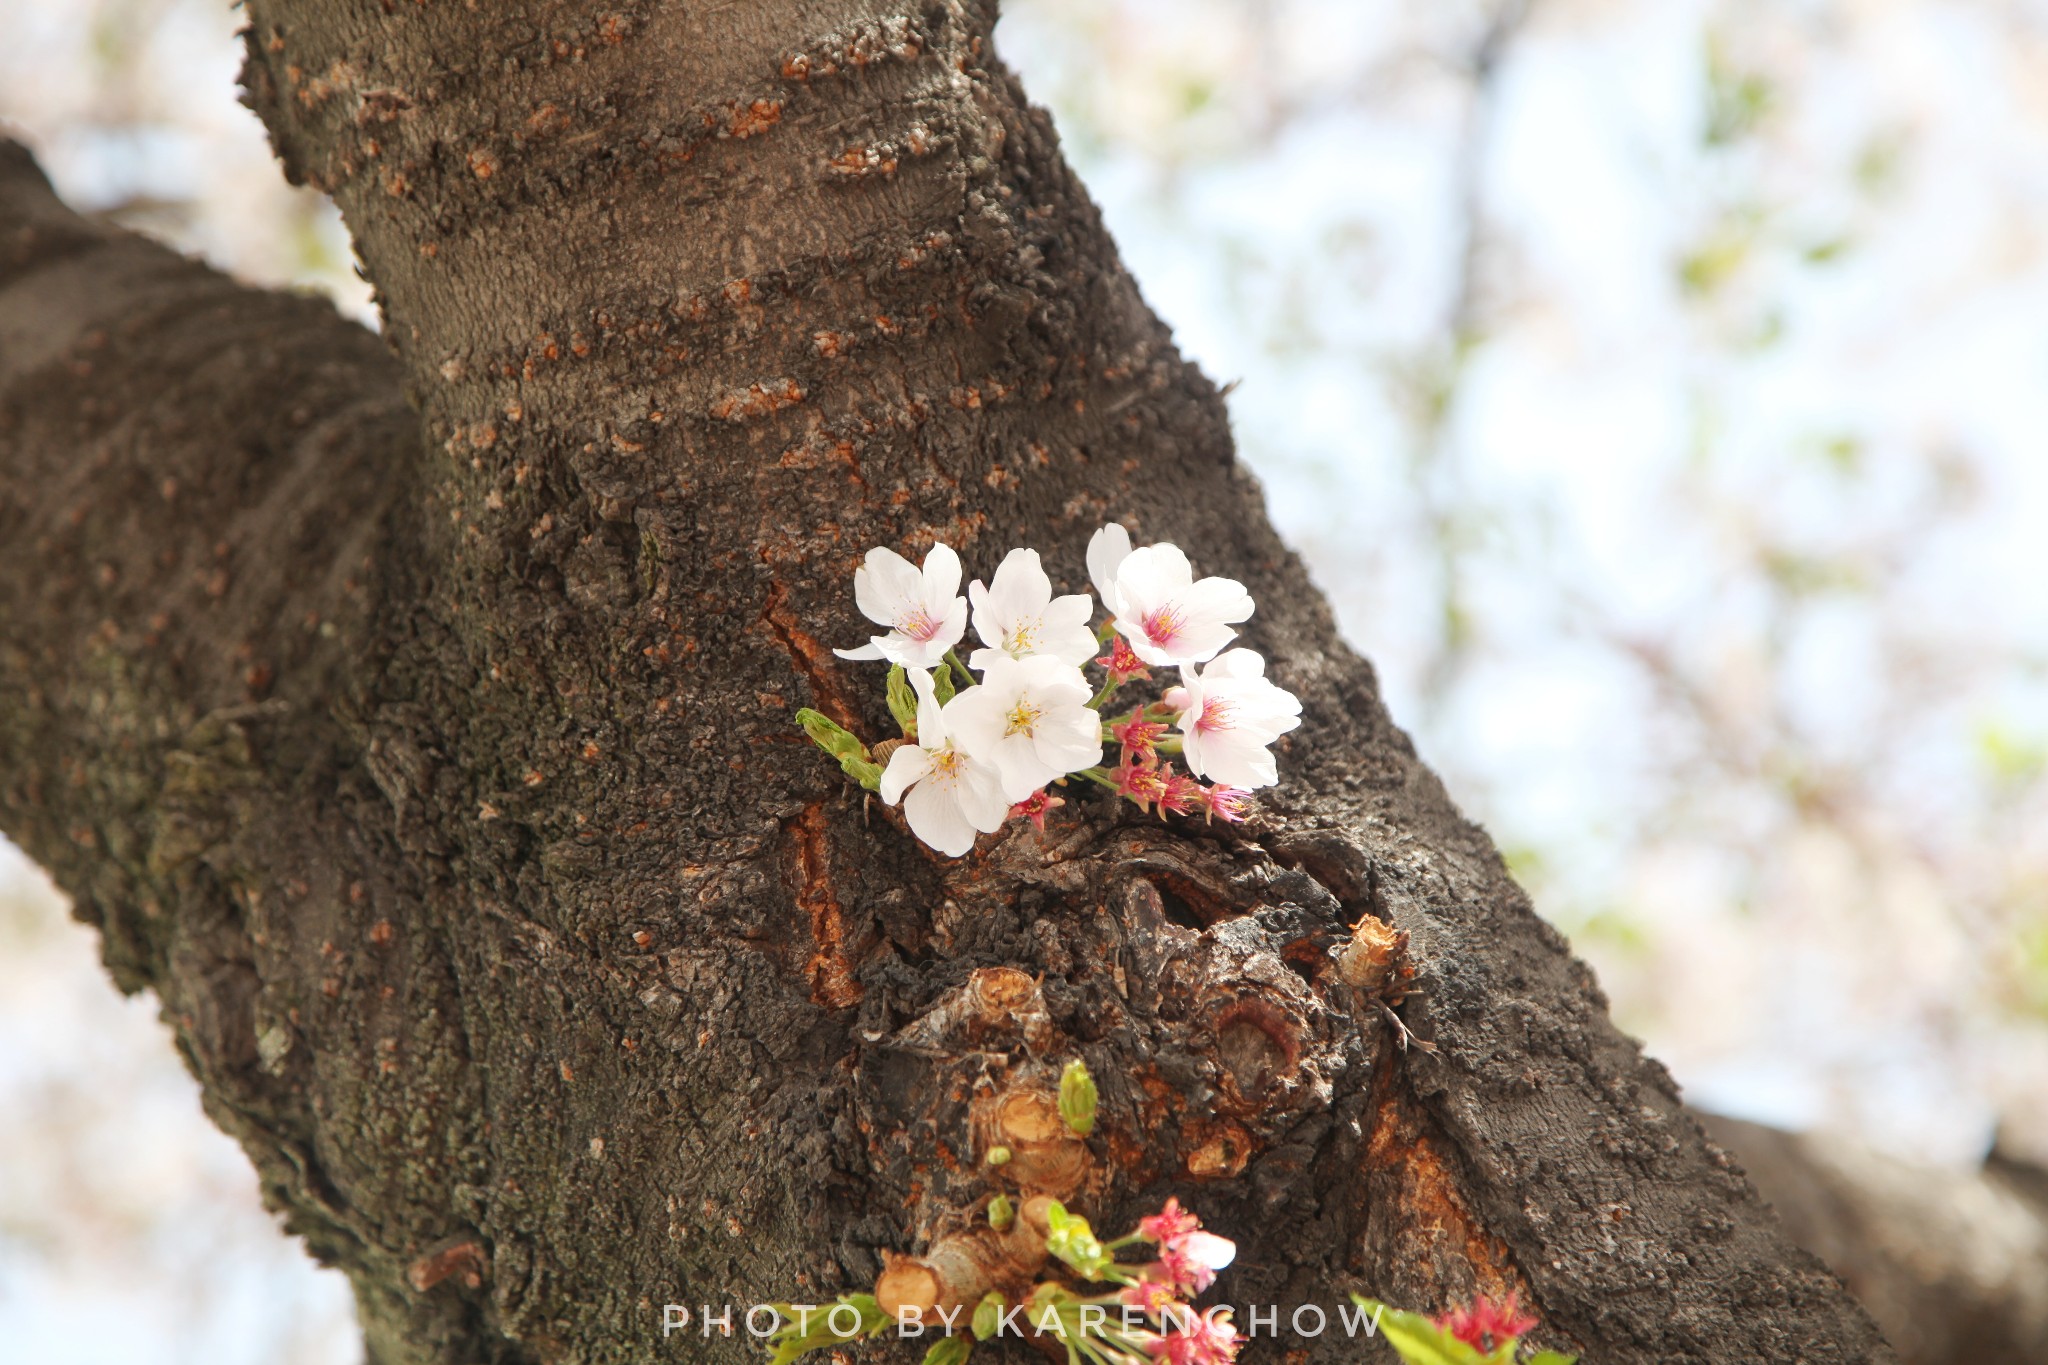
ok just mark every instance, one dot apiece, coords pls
pixel 1218 1151
pixel 756 400
pixel 757 117
pixel 863 161
pixel 1412 1183
pixel 465 1260
pixel 829 972
pixel 812 658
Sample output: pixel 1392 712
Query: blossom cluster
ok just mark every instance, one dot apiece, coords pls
pixel 986 739
pixel 1148 1318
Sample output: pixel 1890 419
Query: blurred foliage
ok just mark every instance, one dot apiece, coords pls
pixel 1667 432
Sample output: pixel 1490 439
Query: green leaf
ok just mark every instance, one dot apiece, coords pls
pixel 988 1313
pixel 842 744
pixel 942 683
pixel 902 701
pixel 1069 1238
pixel 949 1351
pixel 790 1342
pixel 1417 1340
pixel 1077 1097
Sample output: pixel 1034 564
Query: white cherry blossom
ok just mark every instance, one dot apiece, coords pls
pixel 1168 615
pixel 1030 717
pixel 922 608
pixel 1108 548
pixel 1017 616
pixel 1230 714
pixel 953 793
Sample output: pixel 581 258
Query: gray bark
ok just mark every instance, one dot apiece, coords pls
pixel 437 768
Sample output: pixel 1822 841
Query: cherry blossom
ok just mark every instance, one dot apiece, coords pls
pixel 1138 735
pixel 954 793
pixel 1229 804
pixel 1031 719
pixel 1108 548
pixel 1121 664
pixel 1210 1339
pixel 1181 1265
pixel 1017 616
pixel 1183 795
pixel 1229 714
pixel 1035 808
pixel 922 608
pixel 1486 1326
pixel 1170 1224
pixel 1150 1296
pixel 1168 616
pixel 1142 785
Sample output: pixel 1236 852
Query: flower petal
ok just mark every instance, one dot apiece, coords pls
pixel 884 585
pixel 906 766
pixel 1152 576
pixel 1236 758
pixel 1224 599
pixel 935 817
pixel 1020 587
pixel 1107 550
pixel 941 578
pixel 981 797
pixel 931 722
pixel 952 626
pixel 1237 663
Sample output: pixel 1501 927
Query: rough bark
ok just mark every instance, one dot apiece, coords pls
pixel 446 788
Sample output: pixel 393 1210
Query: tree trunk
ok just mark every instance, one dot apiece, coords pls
pixel 439 772
pixel 1953 1264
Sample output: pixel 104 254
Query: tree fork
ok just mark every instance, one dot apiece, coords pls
pixel 545 971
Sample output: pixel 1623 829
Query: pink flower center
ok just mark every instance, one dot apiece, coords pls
pixel 917 623
pixel 1218 713
pixel 1162 624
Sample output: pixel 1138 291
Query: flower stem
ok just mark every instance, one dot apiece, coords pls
pixel 953 658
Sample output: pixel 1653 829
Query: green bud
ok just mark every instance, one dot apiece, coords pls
pixel 988 1313
pixel 943 682
pixel 834 738
pixel 902 701
pixel 842 744
pixel 1077 1097
pixel 1069 1238
pixel 999 1156
pixel 1001 1213
pixel 948 1351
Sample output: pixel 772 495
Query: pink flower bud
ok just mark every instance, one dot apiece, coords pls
pixel 1036 807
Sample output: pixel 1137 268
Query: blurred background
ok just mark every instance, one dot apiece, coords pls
pixel 1658 388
